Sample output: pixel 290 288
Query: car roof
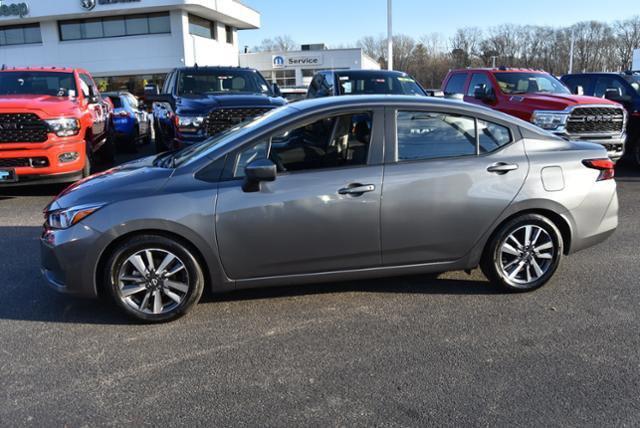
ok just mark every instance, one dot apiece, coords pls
pixel 214 68
pixel 48 69
pixel 499 70
pixel 368 72
pixel 116 93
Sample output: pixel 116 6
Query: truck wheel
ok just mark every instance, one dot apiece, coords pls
pixel 523 254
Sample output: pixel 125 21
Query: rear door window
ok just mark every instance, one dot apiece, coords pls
pixel 455 85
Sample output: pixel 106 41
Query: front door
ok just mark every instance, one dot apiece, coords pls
pixel 444 187
pixel 322 213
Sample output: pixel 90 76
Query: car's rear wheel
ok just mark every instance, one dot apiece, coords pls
pixel 524 253
pixel 154 278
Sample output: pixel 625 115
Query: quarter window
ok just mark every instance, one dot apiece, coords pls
pixel 492 136
pixel 332 142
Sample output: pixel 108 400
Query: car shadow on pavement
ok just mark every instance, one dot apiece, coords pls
pixel 25 295
pixel 626 172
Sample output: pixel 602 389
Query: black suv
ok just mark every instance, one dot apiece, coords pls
pixel 196 103
pixel 620 87
pixel 363 82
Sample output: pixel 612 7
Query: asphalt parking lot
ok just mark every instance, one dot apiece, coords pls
pixel 399 351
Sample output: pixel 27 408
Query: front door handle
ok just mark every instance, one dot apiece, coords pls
pixel 502 168
pixel 357 189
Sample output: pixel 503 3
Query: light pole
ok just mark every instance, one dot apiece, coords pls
pixel 573 42
pixel 389 35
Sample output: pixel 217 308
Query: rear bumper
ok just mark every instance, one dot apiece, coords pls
pixel 596 219
pixel 55 171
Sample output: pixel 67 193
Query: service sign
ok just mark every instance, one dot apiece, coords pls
pixel 285 61
pixel 13 9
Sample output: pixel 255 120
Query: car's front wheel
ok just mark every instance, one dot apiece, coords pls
pixel 154 278
pixel 524 253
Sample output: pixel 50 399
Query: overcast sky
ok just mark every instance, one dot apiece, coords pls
pixel 339 22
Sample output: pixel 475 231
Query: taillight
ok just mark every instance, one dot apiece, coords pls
pixel 605 166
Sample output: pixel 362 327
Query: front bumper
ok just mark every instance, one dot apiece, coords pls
pixel 615 145
pixel 69 258
pixel 55 170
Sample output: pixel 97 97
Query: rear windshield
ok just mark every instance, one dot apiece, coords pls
pixel 358 84
pixel 36 83
pixel 117 102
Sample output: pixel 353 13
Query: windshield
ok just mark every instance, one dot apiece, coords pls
pixel 36 83
pixel 529 83
pixel 200 82
pixel 354 84
pixel 634 81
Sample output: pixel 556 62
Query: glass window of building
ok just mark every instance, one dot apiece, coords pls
pixel 202 27
pixel 20 34
pixel 97 28
pixel 229 31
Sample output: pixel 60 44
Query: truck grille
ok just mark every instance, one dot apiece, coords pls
pixel 22 128
pixel 39 162
pixel 596 120
pixel 223 119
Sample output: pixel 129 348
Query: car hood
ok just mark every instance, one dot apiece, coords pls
pixel 544 101
pixel 132 179
pixel 206 103
pixel 46 106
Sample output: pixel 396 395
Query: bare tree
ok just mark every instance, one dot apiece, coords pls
pixel 627 33
pixel 278 44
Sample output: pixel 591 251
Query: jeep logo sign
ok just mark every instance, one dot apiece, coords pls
pixel 14 9
pixel 281 61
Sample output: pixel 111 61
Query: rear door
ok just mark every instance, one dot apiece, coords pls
pixel 445 184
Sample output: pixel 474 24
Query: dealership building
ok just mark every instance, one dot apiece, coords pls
pixel 124 43
pixel 296 68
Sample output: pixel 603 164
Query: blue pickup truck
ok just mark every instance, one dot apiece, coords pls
pixel 196 103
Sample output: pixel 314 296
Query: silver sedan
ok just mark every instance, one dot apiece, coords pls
pixel 332 189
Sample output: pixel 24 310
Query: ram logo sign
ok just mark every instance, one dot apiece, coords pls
pixel 88 4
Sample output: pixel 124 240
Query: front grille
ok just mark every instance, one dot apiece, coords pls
pixel 223 119
pixel 39 162
pixel 22 128
pixel 596 120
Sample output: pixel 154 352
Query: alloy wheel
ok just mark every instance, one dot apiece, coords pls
pixel 153 281
pixel 526 255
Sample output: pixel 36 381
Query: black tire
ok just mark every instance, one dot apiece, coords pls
pixel 159 140
pixel 496 262
pixel 635 153
pixel 86 170
pixel 108 150
pixel 193 277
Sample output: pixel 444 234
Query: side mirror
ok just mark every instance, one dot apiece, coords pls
pixel 481 93
pixel 93 96
pixel 256 172
pixel 612 94
pixel 579 90
pixel 276 90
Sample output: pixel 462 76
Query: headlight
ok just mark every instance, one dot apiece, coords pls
pixel 64 219
pixel 190 121
pixel 549 120
pixel 64 127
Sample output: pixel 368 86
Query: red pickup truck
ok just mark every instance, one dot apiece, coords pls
pixel 540 98
pixel 52 123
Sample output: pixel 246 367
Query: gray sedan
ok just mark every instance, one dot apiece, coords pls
pixel 332 189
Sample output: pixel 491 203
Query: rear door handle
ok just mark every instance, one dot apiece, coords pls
pixel 502 168
pixel 357 189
